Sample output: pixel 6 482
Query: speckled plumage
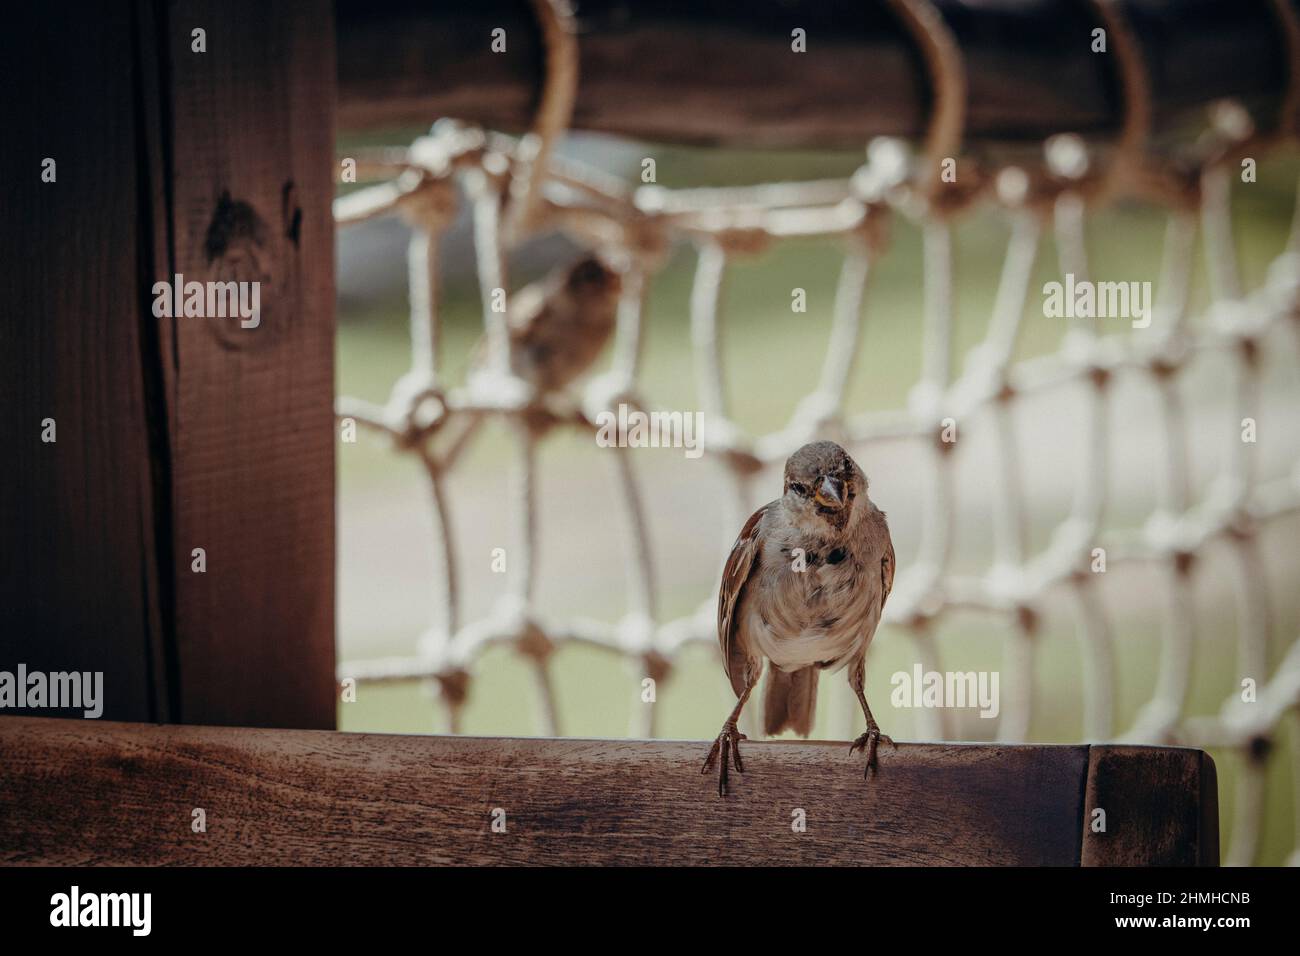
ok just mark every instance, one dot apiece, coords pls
pixel 822 617
pixel 559 326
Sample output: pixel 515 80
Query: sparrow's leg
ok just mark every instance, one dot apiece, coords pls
pixel 871 739
pixel 728 743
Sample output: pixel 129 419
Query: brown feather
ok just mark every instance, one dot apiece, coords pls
pixel 886 573
pixel 789 700
pixel 735 652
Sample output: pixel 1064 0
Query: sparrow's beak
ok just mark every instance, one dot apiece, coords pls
pixel 830 493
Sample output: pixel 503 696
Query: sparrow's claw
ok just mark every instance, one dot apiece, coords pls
pixel 728 745
pixel 868 743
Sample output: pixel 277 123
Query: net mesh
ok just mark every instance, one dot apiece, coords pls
pixel 518 189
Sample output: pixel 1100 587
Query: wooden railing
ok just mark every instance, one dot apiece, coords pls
pixel 88 792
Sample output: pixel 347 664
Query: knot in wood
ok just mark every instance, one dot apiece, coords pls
pixel 239 246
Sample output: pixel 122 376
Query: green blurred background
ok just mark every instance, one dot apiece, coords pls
pixel 772 359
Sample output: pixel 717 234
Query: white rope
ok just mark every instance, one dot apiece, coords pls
pixel 519 187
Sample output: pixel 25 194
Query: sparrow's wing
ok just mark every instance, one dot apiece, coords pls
pixel 743 557
pixel 886 572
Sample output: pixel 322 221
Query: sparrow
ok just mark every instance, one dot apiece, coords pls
pixel 559 325
pixel 804 588
pixel 556 328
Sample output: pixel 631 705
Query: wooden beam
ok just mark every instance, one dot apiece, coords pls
pixel 172 433
pixel 83 510
pixel 715 72
pixel 83 792
pixel 251 410
pixel 1161 807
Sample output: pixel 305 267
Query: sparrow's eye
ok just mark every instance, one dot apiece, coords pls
pixel 799 489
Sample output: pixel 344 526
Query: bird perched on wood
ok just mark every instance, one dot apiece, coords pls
pixel 804 588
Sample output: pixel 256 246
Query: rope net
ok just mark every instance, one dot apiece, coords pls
pixel 519 189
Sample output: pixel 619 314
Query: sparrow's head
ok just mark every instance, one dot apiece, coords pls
pixel 592 284
pixel 822 483
pixel 585 295
pixel 591 278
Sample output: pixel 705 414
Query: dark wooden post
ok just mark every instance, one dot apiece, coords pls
pixel 373 799
pixel 1159 806
pixel 173 434
pixel 251 125
pixel 83 515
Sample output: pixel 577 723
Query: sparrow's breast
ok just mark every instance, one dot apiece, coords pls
pixel 823 615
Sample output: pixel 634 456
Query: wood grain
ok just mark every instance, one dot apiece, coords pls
pixel 173 434
pixel 1161 807
pixel 80 516
pixel 251 410
pixel 84 792
pixel 713 71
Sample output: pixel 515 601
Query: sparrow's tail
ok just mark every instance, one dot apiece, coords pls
pixel 790 700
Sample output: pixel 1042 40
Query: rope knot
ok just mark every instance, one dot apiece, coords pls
pixel 453 686
pixel 431 206
pixel 534 642
pixel 743 240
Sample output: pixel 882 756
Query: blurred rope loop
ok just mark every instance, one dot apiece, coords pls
pixel 947 81
pixel 556 24
pixel 519 187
